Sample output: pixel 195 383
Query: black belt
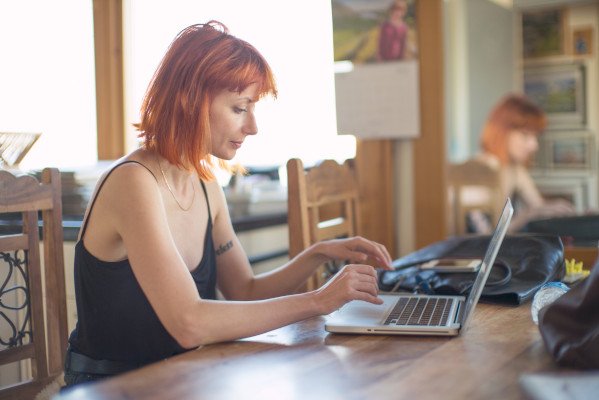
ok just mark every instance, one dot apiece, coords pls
pixel 77 362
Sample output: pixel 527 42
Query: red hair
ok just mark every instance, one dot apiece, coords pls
pixel 513 112
pixel 202 61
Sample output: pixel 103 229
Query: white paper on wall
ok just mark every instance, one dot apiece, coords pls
pixel 379 101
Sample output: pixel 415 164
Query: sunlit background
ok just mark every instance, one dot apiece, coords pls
pixel 47 81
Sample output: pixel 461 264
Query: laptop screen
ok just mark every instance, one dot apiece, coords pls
pixel 488 261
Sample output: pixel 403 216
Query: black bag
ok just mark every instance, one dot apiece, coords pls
pixel 524 263
pixel 570 325
pixel 581 229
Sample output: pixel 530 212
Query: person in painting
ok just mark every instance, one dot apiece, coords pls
pixel 509 140
pixel 393 33
pixel 158 267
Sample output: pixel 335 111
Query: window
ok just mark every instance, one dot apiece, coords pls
pixel 47 79
pixel 295 37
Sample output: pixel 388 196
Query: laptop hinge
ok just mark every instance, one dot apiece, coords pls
pixel 458 315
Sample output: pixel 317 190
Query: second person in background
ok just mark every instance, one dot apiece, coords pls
pixel 509 140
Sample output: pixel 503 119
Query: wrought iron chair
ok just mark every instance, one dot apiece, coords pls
pixel 322 203
pixel 33 313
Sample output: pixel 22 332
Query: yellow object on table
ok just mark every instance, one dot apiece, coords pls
pixel 575 271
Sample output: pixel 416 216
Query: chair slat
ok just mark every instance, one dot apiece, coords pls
pixel 322 204
pixel 15 354
pixel 14 242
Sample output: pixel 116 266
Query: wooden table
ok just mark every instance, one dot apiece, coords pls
pixel 302 361
pixel 588 255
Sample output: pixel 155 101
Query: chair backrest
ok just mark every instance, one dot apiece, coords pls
pixel 472 185
pixel 33 298
pixel 322 204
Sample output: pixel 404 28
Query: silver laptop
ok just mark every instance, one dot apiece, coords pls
pixel 420 314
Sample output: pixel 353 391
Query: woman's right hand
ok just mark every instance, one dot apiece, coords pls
pixel 352 282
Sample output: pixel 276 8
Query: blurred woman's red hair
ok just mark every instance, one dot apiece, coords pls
pixel 513 112
pixel 202 61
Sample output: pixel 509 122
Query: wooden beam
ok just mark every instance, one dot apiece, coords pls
pixel 108 42
pixel 374 170
pixel 430 192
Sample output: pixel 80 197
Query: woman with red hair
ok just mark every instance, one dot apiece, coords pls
pixel 157 243
pixel 509 140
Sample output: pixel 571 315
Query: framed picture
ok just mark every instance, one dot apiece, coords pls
pixel 570 150
pixel 374 31
pixel 582 41
pixel 543 33
pixel 559 89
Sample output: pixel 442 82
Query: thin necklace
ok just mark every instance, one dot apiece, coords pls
pixel 171 190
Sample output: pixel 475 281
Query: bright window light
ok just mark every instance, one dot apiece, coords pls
pixel 47 82
pixel 297 40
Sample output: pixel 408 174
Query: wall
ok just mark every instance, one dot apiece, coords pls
pixel 479 68
pixel 489 59
pixel 482 64
pixel 579 184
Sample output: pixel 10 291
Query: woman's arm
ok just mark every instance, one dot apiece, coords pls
pixel 235 276
pixel 536 207
pixel 289 277
pixel 137 214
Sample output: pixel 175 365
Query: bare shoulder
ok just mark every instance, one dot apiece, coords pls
pixel 217 199
pixel 129 176
pixel 127 183
pixel 125 196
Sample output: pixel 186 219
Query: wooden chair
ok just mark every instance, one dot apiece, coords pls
pixel 322 204
pixel 33 299
pixel 472 185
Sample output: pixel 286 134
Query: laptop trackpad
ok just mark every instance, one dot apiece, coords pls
pixel 361 312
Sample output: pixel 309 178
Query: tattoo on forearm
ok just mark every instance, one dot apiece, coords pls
pixel 223 248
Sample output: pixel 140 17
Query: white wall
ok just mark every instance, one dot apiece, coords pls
pixel 479 68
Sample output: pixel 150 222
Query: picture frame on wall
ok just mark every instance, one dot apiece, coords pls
pixel 582 41
pixel 374 31
pixel 570 150
pixel 543 33
pixel 559 89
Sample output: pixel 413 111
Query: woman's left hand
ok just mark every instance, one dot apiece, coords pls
pixel 356 250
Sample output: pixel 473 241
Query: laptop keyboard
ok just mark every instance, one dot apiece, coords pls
pixel 423 311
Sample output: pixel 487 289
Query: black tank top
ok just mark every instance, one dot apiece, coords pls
pixel 115 320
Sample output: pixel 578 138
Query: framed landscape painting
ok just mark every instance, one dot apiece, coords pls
pixel 559 90
pixel 543 33
pixel 570 150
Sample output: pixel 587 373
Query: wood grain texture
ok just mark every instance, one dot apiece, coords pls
pixel 322 203
pixel 45 282
pixel 466 176
pixel 110 100
pixel 23 193
pixel 430 193
pixel 302 361
pixel 374 171
pixel 588 255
